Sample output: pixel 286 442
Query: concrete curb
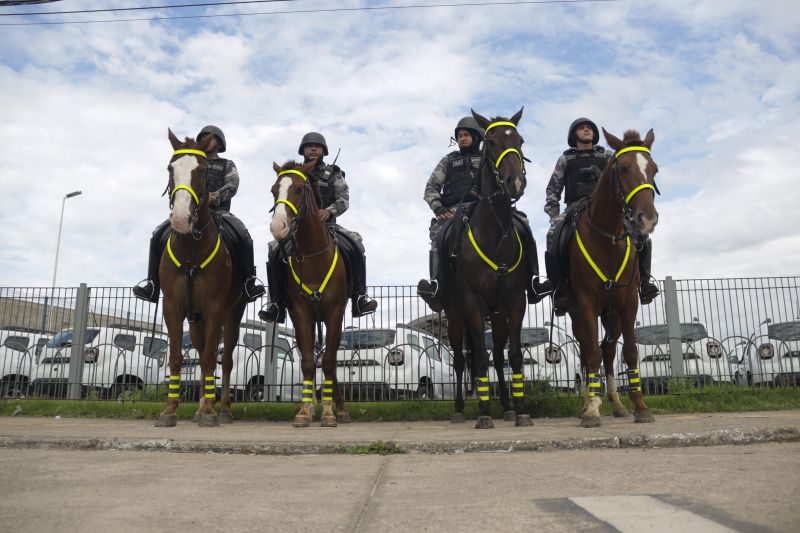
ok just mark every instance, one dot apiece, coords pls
pixel 648 440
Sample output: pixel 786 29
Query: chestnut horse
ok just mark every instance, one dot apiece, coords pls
pixel 197 282
pixel 318 288
pixel 490 275
pixel 604 277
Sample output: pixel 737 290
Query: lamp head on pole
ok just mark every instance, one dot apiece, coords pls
pixel 73 193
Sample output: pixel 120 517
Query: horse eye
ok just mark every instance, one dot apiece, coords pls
pixel 298 190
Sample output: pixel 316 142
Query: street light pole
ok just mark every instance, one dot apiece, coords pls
pixel 58 241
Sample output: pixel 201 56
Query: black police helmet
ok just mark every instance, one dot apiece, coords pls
pixel 213 130
pixel 313 137
pixel 572 141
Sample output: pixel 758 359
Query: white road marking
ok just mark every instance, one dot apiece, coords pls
pixel 635 513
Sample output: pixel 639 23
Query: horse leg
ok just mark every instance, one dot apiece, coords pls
pixel 333 335
pixel 584 326
pixel 609 348
pixel 174 320
pixel 641 413
pixel 499 339
pixel 522 419
pixel 197 335
pixel 304 331
pixel 208 364
pixel 455 332
pixel 231 337
pixel 480 361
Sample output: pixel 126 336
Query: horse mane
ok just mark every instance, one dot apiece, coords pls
pixel 632 138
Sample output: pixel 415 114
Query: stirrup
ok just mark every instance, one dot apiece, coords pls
pixel 648 292
pixel 539 289
pixel 146 290
pixel 427 287
pixel 364 305
pixel 252 290
pixel 274 312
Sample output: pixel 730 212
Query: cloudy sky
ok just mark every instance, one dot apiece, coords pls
pixel 87 106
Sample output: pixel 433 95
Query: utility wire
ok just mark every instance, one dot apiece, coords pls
pixel 5 3
pixel 309 11
pixel 113 9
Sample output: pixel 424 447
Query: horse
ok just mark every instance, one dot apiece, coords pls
pixel 604 277
pixel 198 283
pixel 319 283
pixel 490 275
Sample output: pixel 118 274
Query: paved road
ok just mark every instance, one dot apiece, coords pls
pixel 670 482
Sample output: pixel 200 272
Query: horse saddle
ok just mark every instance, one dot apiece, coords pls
pixel 449 238
pixel 558 269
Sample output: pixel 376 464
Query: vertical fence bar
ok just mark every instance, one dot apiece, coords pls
pixel 80 322
pixel 673 326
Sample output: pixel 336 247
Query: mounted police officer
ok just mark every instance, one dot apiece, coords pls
pixel 335 200
pixel 223 183
pixel 576 174
pixel 448 191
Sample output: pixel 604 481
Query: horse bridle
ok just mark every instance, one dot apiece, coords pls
pixel 298 211
pixel 495 170
pixel 197 200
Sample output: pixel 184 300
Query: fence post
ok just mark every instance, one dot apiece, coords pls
pixel 80 321
pixel 271 385
pixel 673 326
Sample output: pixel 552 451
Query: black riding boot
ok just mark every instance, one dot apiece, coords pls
pixel 149 288
pixel 277 280
pixel 560 300
pixel 242 254
pixel 537 287
pixel 252 289
pixel 361 303
pixel 648 290
pixel 428 289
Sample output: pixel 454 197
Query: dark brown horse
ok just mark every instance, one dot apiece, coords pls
pixel 604 274
pixel 197 282
pixel 317 288
pixel 490 275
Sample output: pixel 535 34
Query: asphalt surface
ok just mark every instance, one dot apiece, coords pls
pixel 694 472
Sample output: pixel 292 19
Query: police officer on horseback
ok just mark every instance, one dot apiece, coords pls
pixel 222 182
pixel 335 200
pixel 576 174
pixel 449 190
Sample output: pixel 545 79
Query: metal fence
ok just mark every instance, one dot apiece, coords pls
pixel 100 342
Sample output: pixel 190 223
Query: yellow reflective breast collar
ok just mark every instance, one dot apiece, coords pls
pixel 594 265
pixel 486 259
pixel 203 264
pixel 327 276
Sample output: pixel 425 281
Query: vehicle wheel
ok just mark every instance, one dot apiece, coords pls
pixel 780 381
pixel 13 389
pixel 256 393
pixel 424 390
pixel 125 391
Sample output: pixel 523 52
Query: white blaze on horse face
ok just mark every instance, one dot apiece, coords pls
pixel 279 227
pixel 182 199
pixel 647 222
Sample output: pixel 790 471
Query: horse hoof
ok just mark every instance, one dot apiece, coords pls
pixel 590 421
pixel 208 421
pixel 509 416
pixel 301 422
pixel 621 413
pixel 196 418
pixel 458 418
pixel 225 418
pixel 523 421
pixel 328 422
pixel 343 418
pixel 484 422
pixel 167 421
pixel 643 417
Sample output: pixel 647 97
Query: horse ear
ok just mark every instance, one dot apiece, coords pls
pixel 517 116
pixel 173 139
pixel 275 167
pixel 208 144
pixel 308 167
pixel 649 138
pixel 612 141
pixel 482 121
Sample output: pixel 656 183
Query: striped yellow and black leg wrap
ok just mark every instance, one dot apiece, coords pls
pixel 327 390
pixel 593 382
pixel 209 387
pixel 516 385
pixel 635 384
pixel 483 389
pixel 174 387
pixel 308 391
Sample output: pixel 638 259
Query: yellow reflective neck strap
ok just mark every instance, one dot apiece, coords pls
pixel 327 276
pixel 637 189
pixel 187 188
pixel 189 151
pixel 594 265
pixel 501 123
pixel 486 259
pixel 203 264
pixel 287 202
pixel 292 171
pixel 631 149
pixel 509 150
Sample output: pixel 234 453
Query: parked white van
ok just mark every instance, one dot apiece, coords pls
pixel 772 354
pixel 116 358
pixel 19 348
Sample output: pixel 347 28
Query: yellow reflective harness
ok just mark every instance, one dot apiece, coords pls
pixel 324 282
pixel 643 185
pixel 203 264
pixel 485 258
pixel 287 202
pixel 509 150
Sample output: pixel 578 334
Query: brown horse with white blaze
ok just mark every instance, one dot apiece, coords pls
pixel 604 274
pixel 198 282
pixel 318 290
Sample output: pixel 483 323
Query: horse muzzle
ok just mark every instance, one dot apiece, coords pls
pixel 280 228
pixel 181 223
pixel 644 223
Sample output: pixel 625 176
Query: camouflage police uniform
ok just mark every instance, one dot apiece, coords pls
pixel 222 178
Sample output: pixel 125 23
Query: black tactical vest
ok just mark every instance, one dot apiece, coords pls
pixel 461 171
pixel 584 168
pixel 326 175
pixel 215 179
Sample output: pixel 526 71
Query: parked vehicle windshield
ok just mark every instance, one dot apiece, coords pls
pixel 785 331
pixel 534 337
pixel 64 338
pixel 354 339
pixel 652 335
